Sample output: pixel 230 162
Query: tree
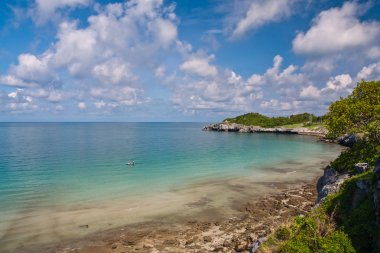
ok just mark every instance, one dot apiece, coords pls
pixel 358 113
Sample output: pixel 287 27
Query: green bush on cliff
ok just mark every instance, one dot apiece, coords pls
pixel 358 222
pixel 257 119
pixel 316 233
pixel 362 151
pixel 357 113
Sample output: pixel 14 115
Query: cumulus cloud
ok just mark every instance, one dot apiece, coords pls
pixel 335 30
pixel 260 13
pixel 276 77
pixel 200 65
pixel 370 72
pixel 98 61
pixel 82 105
pixel 310 92
pixel 113 71
pixel 45 10
pixel 18 101
pixel 275 104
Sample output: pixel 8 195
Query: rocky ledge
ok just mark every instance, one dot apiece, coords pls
pixel 331 182
pixel 232 127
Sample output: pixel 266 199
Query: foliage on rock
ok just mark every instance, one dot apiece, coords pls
pixel 357 221
pixel 363 151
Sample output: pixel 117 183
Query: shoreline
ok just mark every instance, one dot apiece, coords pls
pixel 233 127
pixel 261 195
pixel 255 219
pixel 255 215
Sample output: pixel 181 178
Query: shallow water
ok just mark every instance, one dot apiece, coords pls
pixel 56 178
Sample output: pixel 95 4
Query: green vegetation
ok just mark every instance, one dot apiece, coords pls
pixel 257 119
pixel 358 113
pixel 315 232
pixel 363 151
pixel 356 217
pixel 345 221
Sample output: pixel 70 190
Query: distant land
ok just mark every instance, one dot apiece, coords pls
pixel 295 120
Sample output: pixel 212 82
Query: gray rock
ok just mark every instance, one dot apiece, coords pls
pixel 329 183
pixel 363 188
pixel 348 140
pixel 376 171
pixel 329 176
pixel 361 167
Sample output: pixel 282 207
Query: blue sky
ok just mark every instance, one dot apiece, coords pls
pixel 184 60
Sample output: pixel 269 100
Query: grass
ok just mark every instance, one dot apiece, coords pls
pixel 310 126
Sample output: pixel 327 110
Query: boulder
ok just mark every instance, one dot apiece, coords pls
pixel 376 171
pixel 362 190
pixel 329 183
pixel 348 140
pixel 361 167
pixel 329 176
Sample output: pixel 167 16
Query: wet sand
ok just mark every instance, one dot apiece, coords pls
pixel 253 220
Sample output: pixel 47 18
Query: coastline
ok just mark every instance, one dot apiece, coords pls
pixel 258 207
pixel 254 200
pixel 255 220
pixel 233 127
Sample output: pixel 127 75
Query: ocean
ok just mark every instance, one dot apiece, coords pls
pixel 63 180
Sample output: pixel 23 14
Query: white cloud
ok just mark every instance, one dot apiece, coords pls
pixel 339 82
pixel 370 72
pixel 32 70
pixel 45 10
pixel 160 71
pixel 276 77
pixel 18 101
pixel 275 104
pixel 123 96
pixel 165 31
pixel 98 61
pixel 260 13
pixel 335 30
pixel 11 80
pixel 82 105
pixel 310 92
pixel 200 65
pixel 113 71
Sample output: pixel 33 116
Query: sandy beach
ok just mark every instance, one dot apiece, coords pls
pixel 221 215
pixel 253 220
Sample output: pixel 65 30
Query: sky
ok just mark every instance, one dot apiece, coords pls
pixel 184 60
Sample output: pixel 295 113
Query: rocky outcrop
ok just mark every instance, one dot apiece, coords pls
pixel 348 140
pixel 361 167
pixel 232 127
pixel 329 183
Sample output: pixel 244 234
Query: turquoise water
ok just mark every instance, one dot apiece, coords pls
pixel 45 166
